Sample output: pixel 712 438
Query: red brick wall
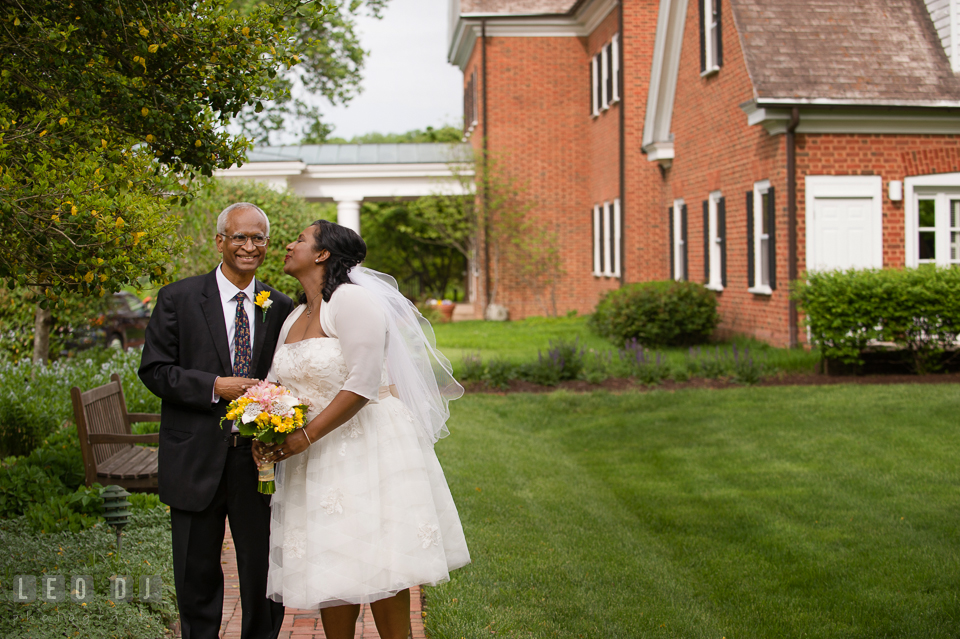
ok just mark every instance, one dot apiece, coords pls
pixel 538 106
pixel 715 150
pixel 892 157
pixel 541 128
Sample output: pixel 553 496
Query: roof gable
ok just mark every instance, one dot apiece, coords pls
pixel 869 52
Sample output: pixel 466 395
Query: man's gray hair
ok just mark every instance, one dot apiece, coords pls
pixel 225 213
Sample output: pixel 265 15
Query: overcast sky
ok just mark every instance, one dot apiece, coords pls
pixel 407 82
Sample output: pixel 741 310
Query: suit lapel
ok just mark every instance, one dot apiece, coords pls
pixel 259 327
pixel 213 311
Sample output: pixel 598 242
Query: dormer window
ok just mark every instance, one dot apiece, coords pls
pixel 711 42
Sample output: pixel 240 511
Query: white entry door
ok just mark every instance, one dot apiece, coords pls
pixel 844 222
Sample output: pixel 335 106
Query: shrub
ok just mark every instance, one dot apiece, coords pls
pixel 564 361
pixel 499 372
pixel 472 370
pixel 657 314
pixel 61 513
pixel 916 309
pixel 35 398
pixel 644 365
pixel 22 485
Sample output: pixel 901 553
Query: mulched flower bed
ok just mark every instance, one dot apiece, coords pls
pixel 782 379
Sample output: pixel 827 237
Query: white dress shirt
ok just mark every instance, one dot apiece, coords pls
pixel 228 291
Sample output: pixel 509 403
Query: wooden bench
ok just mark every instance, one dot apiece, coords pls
pixel 107 443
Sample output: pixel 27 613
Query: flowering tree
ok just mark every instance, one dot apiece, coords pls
pixel 107 109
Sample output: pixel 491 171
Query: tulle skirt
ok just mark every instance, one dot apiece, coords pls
pixel 362 514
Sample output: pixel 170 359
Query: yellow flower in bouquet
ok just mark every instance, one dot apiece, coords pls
pixel 269 413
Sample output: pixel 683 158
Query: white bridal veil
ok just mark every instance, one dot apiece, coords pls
pixel 422 375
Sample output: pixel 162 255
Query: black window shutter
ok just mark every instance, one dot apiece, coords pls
pixel 683 238
pixel 600 103
pixel 722 237
pixel 706 242
pixel 673 275
pixel 771 212
pixel 719 36
pixel 592 81
pixel 609 49
pixel 750 247
pixel 703 39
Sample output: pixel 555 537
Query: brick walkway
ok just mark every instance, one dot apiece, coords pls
pixel 297 624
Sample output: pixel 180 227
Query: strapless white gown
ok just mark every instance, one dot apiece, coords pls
pixel 365 512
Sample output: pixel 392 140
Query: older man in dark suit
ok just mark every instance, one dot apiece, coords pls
pixel 205 344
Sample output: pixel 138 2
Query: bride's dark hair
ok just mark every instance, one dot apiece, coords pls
pixel 347 249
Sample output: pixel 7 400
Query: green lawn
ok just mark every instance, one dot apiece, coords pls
pixel 520 341
pixel 749 513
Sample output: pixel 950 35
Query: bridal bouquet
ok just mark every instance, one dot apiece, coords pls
pixel 269 413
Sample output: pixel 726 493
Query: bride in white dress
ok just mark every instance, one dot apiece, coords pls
pixel 362 511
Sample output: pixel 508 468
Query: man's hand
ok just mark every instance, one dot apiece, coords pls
pixel 230 388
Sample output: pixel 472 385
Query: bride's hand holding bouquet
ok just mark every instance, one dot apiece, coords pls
pixel 268 413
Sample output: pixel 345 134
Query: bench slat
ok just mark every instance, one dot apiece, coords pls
pixel 136 462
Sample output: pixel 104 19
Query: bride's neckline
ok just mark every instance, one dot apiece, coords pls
pixel 306 339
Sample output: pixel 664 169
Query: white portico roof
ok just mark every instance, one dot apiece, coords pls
pixel 353 172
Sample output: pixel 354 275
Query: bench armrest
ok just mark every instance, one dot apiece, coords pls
pixel 151 438
pixel 133 418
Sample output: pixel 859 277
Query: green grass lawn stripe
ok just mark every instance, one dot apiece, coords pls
pixel 764 512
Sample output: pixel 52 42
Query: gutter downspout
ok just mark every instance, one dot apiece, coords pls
pixel 623 189
pixel 486 178
pixel 792 218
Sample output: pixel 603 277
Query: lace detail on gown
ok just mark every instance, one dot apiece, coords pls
pixel 365 512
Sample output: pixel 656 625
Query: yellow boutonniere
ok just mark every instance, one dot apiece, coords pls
pixel 264 302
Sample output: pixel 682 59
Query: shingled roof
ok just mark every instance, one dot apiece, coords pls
pixel 869 52
pixel 516 7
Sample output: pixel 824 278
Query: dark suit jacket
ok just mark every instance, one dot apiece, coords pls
pixel 185 351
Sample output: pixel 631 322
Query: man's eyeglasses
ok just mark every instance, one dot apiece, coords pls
pixel 239 239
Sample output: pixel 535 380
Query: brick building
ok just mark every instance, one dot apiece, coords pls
pixel 735 143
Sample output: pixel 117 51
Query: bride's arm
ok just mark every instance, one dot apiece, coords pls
pixel 344 406
pixel 358 322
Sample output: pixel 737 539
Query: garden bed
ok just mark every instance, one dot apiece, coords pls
pixel 619 384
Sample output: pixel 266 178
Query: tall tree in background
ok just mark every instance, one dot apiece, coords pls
pixel 106 108
pixel 289 213
pixel 331 61
pixel 399 243
pixel 522 249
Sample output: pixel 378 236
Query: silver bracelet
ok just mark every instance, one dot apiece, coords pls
pixel 304 431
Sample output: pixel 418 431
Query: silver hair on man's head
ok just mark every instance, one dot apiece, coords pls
pixel 225 213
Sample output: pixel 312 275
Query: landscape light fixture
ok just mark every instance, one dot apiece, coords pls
pixel 116 509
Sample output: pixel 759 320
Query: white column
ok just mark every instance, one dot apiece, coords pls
pixel 348 214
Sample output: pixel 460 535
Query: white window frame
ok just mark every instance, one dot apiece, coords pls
pixel 709 38
pixel 715 258
pixel 604 76
pixel 606 258
pixel 759 212
pixel 615 67
pixel 594 87
pixel 940 188
pixel 605 70
pixel 839 186
pixel 597 240
pixel 678 242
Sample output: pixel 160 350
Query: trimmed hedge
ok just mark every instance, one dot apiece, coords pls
pixel 657 314
pixel 917 309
